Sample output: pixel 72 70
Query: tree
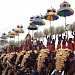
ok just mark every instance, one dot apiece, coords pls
pixel 40 35
pixel 72 27
pixel 46 32
pixel 61 30
pixel 57 31
pixel 52 30
pixel 36 35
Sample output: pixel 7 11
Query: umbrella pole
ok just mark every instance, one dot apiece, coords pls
pixel 28 31
pixel 18 39
pixel 50 27
pixel 65 25
pixel 14 38
pixel 38 28
pixel 32 34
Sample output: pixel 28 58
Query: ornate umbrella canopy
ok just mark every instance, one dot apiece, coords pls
pixel 3 37
pixel 19 26
pixel 65 11
pixel 65 4
pixel 4 40
pixel 51 15
pixel 10 36
pixel 13 33
pixel 32 27
pixel 19 30
pixel 37 20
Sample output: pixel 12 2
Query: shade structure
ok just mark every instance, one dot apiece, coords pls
pixel 10 36
pixel 19 26
pixel 32 27
pixel 3 37
pixel 13 33
pixel 64 11
pixel 3 40
pixel 38 21
pixel 65 4
pixel 51 15
pixel 19 30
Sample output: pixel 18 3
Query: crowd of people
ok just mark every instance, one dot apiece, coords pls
pixel 9 67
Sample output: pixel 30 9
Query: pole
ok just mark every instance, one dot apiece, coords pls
pixel 65 26
pixel 18 39
pixel 50 28
pixel 32 34
pixel 67 30
pixel 28 31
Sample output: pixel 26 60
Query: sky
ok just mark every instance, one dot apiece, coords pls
pixel 16 12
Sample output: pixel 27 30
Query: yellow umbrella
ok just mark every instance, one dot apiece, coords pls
pixel 13 33
pixel 3 40
pixel 19 30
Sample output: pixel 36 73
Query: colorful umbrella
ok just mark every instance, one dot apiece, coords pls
pixel 38 21
pixel 65 11
pixel 51 15
pixel 13 33
pixel 65 4
pixel 3 37
pixel 10 36
pixel 32 27
pixel 4 40
pixel 19 30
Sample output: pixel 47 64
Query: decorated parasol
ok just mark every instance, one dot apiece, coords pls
pixel 38 20
pixel 13 33
pixel 19 30
pixel 51 15
pixel 10 36
pixel 3 36
pixel 65 11
pixel 32 27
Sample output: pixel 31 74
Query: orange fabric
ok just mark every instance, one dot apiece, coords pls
pixel 52 48
pixel 63 45
pixel 70 46
pixel 74 44
pixel 58 46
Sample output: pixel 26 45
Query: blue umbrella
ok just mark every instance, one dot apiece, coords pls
pixel 65 11
pixel 3 37
pixel 37 21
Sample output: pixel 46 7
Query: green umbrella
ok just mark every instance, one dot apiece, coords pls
pixel 10 36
